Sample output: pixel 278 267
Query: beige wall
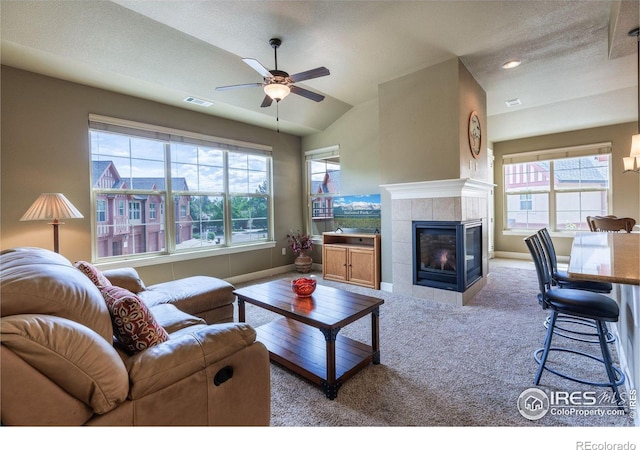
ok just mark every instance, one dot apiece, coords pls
pixel 356 132
pixel 45 148
pixel 419 125
pixel 625 186
pixel 417 130
pixel 471 98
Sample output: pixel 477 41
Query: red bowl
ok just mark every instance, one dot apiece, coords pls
pixel 303 287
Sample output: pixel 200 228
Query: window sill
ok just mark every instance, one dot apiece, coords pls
pixel 561 234
pixel 142 261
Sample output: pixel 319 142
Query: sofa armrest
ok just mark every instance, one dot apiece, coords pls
pixel 71 355
pixel 184 355
pixel 126 278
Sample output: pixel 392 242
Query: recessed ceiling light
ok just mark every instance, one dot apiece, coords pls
pixel 513 102
pixel 511 64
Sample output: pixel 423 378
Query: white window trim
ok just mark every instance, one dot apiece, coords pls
pixel 320 153
pixel 558 153
pixel 176 135
pixel 550 155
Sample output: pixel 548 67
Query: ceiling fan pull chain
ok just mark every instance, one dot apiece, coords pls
pixel 277 116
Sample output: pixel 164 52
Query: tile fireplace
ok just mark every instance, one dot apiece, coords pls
pixel 458 203
pixel 447 255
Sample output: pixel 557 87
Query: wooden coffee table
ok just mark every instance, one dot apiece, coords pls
pixel 325 358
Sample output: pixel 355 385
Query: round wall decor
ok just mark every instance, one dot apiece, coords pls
pixel 475 134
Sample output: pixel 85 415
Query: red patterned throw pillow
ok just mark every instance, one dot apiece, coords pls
pixel 93 273
pixel 133 324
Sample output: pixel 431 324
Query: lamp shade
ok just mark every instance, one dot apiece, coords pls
pixel 51 207
pixel 277 91
pixel 629 163
pixel 635 145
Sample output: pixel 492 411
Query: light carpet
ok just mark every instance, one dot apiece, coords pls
pixel 443 365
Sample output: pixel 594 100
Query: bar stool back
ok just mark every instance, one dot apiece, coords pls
pixel 575 303
pixel 611 223
pixel 572 327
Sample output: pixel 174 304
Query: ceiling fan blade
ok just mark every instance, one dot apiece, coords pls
pixel 309 74
pixel 266 102
pixel 255 65
pixel 307 94
pixel 235 86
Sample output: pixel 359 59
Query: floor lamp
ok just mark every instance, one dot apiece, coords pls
pixel 52 207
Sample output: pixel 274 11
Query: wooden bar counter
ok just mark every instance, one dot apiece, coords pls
pixel 615 258
pixel 612 257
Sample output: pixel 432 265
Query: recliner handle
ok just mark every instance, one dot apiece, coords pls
pixel 223 375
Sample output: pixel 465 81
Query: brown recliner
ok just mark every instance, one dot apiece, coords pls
pixel 59 365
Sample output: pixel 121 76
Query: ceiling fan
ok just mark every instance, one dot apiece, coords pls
pixel 278 84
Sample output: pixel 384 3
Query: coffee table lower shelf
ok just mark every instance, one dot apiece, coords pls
pixel 304 350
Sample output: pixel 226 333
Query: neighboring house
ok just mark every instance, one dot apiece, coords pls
pixel 322 206
pixel 134 223
pixel 533 181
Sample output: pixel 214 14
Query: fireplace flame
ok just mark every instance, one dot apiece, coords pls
pixel 444 256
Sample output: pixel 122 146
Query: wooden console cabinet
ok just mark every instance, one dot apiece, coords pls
pixel 351 258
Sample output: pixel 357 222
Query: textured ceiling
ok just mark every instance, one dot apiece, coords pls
pixel 578 64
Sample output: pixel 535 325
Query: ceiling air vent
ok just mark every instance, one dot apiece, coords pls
pixel 513 102
pixel 197 101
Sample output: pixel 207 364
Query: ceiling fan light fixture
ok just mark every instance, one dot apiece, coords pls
pixel 277 91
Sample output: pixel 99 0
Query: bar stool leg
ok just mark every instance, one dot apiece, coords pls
pixel 547 346
pixel 608 361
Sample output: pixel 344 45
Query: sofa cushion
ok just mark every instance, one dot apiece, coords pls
pixel 125 277
pixel 39 281
pixel 93 273
pixel 193 295
pixel 73 356
pixel 172 319
pixel 134 326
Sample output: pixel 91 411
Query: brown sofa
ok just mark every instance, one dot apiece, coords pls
pixel 59 364
pixel 209 298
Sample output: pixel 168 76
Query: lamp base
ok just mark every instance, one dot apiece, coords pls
pixel 56 241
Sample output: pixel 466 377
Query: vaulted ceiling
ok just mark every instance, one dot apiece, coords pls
pixel 578 63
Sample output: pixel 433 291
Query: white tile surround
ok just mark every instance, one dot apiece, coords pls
pixel 446 200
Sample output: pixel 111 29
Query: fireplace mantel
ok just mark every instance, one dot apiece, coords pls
pixel 462 187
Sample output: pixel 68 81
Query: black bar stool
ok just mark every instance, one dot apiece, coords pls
pixel 570 327
pixel 573 303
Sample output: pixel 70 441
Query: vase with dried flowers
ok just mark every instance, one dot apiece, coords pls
pixel 300 244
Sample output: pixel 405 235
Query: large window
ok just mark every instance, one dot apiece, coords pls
pixel 323 176
pixel 182 192
pixel 557 189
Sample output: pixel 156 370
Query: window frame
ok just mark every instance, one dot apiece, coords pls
pixel 135 210
pixel 166 218
pixel 321 154
pixel 551 156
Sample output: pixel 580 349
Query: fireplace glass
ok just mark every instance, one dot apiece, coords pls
pixel 447 255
